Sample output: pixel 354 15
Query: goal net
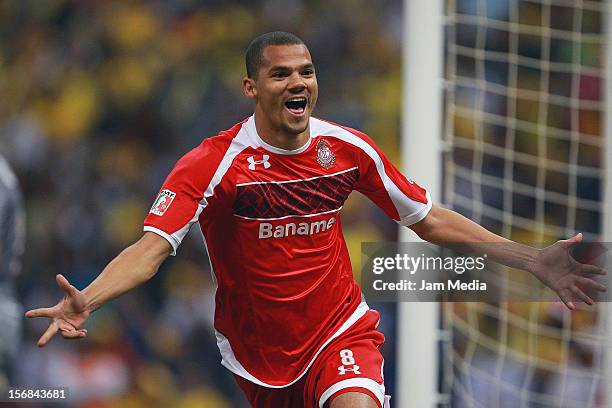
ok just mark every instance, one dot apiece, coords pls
pixel 523 156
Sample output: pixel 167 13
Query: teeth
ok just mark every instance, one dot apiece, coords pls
pixel 296 99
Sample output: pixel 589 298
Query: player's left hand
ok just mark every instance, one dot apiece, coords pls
pixel 557 269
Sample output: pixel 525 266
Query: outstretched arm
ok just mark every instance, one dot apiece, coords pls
pixel 553 265
pixel 132 267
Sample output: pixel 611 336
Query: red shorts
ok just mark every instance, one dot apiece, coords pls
pixel 350 363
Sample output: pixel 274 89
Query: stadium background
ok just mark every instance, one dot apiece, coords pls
pixel 99 99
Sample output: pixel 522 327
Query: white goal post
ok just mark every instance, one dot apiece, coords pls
pixel 417 345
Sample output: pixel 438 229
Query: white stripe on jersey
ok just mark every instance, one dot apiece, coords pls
pixel 296 180
pixel 404 205
pixel 288 216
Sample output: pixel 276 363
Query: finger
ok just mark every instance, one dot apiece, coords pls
pixel 581 295
pixel 73 334
pixel 566 298
pixel 48 334
pixel 573 241
pixel 41 312
pixel 592 270
pixel 64 284
pixel 591 284
pixel 67 327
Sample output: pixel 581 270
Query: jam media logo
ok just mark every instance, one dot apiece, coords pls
pixel 163 201
pixel 253 163
pixel 325 157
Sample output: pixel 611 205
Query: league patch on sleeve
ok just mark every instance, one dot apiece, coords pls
pixel 162 202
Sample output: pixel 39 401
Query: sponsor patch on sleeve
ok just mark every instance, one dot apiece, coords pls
pixel 162 202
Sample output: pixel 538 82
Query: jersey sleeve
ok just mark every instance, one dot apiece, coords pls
pixel 401 198
pixel 185 195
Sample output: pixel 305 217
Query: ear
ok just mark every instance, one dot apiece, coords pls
pixel 249 88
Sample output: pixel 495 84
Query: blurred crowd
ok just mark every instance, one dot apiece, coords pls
pixel 99 99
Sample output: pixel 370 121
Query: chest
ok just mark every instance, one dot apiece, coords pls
pixel 272 186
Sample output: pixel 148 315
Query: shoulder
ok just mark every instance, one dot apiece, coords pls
pixel 201 162
pixel 321 127
pixel 346 134
pixel 212 148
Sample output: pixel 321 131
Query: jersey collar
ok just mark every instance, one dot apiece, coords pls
pixel 250 127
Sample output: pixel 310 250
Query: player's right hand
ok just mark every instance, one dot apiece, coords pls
pixel 66 316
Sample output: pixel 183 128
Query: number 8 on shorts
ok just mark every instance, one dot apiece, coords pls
pixel 347 359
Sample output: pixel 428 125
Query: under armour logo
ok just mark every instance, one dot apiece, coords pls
pixel 253 163
pixel 342 370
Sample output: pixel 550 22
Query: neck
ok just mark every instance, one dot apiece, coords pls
pixel 279 137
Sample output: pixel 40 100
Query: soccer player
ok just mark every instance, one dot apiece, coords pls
pixel 11 249
pixel 290 320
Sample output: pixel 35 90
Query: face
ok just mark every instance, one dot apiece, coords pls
pixel 285 90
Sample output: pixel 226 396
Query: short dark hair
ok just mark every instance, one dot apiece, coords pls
pixel 254 52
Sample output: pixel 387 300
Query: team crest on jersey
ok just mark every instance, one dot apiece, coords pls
pixel 162 202
pixel 325 157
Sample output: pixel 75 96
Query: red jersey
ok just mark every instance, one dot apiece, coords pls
pixel 271 223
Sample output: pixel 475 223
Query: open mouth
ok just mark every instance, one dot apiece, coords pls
pixel 297 106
